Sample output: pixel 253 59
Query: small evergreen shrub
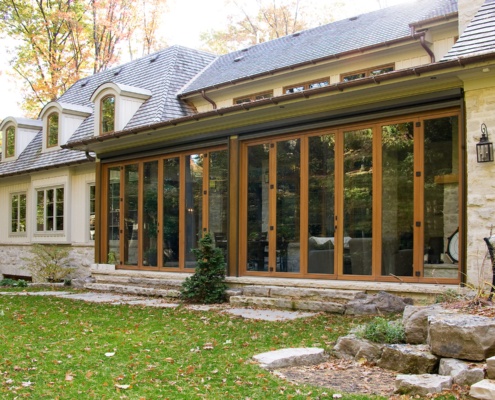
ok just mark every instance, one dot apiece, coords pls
pixel 13 282
pixel 49 263
pixel 380 330
pixel 207 285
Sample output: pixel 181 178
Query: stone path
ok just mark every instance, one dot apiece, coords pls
pixel 115 298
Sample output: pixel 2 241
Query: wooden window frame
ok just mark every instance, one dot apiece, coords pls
pixel 366 72
pixel 18 215
pixel 10 135
pixel 102 132
pixel 322 82
pixel 253 97
pixel 48 129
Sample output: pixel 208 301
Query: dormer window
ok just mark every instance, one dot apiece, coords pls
pixel 107 114
pixel 10 142
pixel 52 130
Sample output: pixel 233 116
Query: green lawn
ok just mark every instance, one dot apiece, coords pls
pixel 65 349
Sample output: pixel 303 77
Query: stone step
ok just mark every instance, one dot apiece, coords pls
pixel 287 303
pixel 133 289
pixel 138 281
pixel 301 293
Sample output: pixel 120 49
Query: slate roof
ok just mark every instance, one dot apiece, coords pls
pixel 163 73
pixel 334 39
pixel 479 35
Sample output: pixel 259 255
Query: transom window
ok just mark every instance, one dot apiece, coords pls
pixel 107 114
pixel 50 209
pixel 307 85
pixel 351 76
pixel 52 130
pixel 253 97
pixel 10 142
pixel 18 213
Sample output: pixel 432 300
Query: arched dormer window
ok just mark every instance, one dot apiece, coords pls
pixel 107 114
pixel 52 130
pixel 10 142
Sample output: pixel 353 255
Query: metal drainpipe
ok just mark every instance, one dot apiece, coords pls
pixel 422 40
pixel 203 94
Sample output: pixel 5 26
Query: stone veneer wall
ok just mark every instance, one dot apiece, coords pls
pixel 12 263
pixel 480 108
pixel 467 10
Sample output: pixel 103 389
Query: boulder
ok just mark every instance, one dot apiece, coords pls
pixel 380 303
pixel 80 283
pixel 408 359
pixel 291 357
pixel 462 373
pixel 490 368
pixel 467 337
pixel 352 347
pixel 415 321
pixel 422 385
pixel 484 389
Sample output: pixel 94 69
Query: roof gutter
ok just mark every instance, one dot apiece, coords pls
pixel 337 87
pixel 422 39
pixel 51 167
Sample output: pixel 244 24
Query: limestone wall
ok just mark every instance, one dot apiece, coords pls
pixel 467 10
pixel 480 108
pixel 12 259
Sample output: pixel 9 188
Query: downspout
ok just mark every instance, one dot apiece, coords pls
pixel 203 94
pixel 422 40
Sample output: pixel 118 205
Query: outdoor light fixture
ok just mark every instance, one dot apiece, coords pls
pixel 484 148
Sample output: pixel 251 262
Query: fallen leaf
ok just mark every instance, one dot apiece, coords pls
pixel 69 376
pixel 110 354
pixel 122 386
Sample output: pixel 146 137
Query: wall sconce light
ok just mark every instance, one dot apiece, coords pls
pixel 484 148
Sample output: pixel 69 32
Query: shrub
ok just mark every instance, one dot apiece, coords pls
pixel 207 285
pixel 50 263
pixel 380 330
pixel 13 282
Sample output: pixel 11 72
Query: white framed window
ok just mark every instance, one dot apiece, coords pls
pixel 18 213
pixel 50 209
pixel 92 210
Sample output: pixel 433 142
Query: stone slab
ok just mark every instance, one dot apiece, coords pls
pixel 268 315
pixel 291 357
pixel 422 385
pixel 484 389
pixel 462 372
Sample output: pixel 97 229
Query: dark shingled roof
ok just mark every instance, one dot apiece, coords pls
pixel 385 25
pixel 479 35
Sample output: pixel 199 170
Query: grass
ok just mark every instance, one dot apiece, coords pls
pixel 66 349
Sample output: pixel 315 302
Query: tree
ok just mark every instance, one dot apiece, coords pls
pixel 269 19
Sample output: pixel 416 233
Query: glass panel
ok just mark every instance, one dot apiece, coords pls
pixel 40 210
pixel 441 197
pixel 257 203
pixel 92 211
pixel 397 199
pixel 10 142
pixel 358 174
pixel 52 130
pixel 22 213
pixel 113 222
pixel 59 209
pixel 150 214
pixel 131 176
pixel 321 209
pixel 107 114
pixel 50 211
pixel 15 213
pixel 171 170
pixel 218 198
pixel 288 205
pixel 194 205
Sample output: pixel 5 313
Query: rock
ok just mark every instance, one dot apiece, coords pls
pixel 415 321
pixel 484 389
pixel 381 302
pixel 291 357
pixel 352 347
pixel 80 283
pixel 408 359
pixel 490 368
pixel 422 385
pixel 463 336
pixel 461 372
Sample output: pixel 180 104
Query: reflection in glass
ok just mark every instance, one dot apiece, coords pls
pixel 194 205
pixel 131 174
pixel 441 195
pixel 397 199
pixel 257 203
pixel 358 177
pixel 171 169
pixel 113 222
pixel 288 205
pixel 321 204
pixel 150 214
pixel 217 213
